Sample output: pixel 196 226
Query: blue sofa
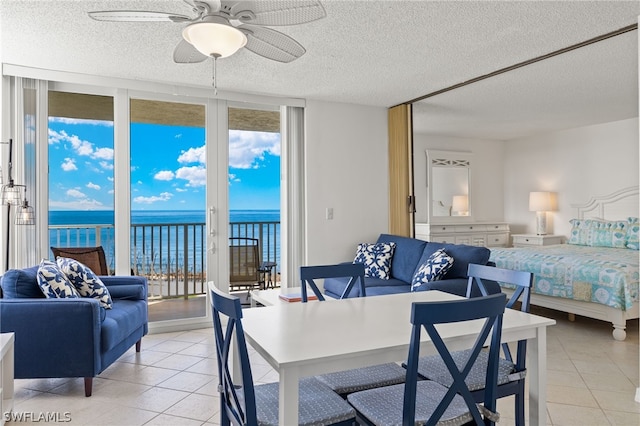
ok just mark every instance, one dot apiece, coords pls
pixel 70 337
pixel 409 254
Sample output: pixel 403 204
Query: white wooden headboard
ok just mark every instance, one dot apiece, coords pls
pixel 618 205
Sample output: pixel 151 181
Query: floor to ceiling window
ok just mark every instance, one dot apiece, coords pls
pixel 81 184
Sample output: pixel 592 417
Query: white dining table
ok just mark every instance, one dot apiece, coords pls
pixel 306 339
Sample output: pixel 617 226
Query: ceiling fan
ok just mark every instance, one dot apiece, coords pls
pixel 219 28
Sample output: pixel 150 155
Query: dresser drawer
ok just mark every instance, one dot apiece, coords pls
pixel 471 228
pixel 497 240
pixel 499 227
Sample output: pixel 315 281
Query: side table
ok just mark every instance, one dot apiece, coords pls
pixel 528 240
pixel 6 375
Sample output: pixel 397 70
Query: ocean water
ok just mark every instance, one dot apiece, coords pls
pixel 156 246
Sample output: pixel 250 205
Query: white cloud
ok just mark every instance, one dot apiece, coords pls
pixel 181 190
pixel 165 196
pixel 103 153
pixel 233 178
pixel 164 175
pixel 110 179
pixel 81 147
pixel 193 155
pixel 69 165
pixel 66 120
pixel 86 204
pixel 111 191
pixel 247 149
pixel 196 175
pixel 75 193
pixel 107 166
pixel 92 185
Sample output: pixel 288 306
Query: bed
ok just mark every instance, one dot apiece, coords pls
pixel 596 273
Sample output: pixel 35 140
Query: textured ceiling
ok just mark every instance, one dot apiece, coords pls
pixel 378 53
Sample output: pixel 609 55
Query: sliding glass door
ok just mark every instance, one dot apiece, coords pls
pixel 168 199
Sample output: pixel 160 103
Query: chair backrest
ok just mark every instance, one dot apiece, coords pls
pixel 237 400
pixel 92 257
pixel 522 282
pixel 427 315
pixel 354 271
pixel 244 260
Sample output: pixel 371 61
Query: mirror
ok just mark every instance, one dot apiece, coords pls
pixel 448 183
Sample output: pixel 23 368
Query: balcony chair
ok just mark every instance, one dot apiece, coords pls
pixel 93 257
pixel 244 263
pixel 357 379
pixel 428 402
pixel 511 374
pixel 242 403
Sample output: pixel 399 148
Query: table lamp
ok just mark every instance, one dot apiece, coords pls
pixel 460 205
pixel 542 202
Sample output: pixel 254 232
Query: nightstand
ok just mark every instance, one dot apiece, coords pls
pixel 528 240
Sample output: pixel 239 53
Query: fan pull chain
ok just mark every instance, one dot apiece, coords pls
pixel 214 82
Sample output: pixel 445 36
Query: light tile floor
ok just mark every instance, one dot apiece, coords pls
pixel 592 380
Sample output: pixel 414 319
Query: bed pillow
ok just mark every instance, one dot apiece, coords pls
pixel 376 259
pixel 579 233
pixel 433 269
pixel 633 233
pixel 607 233
pixel 85 281
pixel 53 282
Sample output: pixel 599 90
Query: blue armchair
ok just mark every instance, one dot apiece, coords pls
pixel 71 337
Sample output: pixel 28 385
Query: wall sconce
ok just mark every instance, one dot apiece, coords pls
pixel 542 202
pixel 460 205
pixel 11 194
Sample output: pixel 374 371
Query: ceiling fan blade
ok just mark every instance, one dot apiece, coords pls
pixel 185 53
pixel 276 12
pixel 137 16
pixel 271 44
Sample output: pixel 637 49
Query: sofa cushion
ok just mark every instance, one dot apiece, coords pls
pixel 85 281
pixel 433 269
pixel 406 255
pixel 123 319
pixel 21 283
pixel 376 259
pixel 335 286
pixel 53 282
pixel 462 255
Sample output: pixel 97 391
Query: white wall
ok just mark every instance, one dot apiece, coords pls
pixel 486 178
pixel 347 170
pixel 577 164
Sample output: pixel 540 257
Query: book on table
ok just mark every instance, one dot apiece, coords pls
pixel 296 297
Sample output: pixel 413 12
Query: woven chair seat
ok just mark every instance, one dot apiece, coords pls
pixel 433 368
pixel 384 406
pixel 359 379
pixel 317 405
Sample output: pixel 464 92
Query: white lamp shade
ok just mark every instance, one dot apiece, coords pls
pixel 215 39
pixel 542 201
pixel 460 204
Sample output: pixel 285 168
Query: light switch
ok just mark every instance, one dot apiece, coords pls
pixel 329 213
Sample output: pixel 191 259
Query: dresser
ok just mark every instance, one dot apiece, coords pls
pixel 487 234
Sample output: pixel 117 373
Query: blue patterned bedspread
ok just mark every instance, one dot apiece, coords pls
pixel 608 276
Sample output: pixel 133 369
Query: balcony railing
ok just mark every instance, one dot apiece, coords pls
pixel 171 256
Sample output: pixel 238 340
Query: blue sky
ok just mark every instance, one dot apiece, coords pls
pixel 168 168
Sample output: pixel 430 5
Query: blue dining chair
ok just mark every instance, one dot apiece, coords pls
pixel 308 275
pixel 242 403
pixel 511 373
pixel 428 402
pixel 357 379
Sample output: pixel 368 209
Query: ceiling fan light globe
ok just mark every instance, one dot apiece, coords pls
pixel 214 39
